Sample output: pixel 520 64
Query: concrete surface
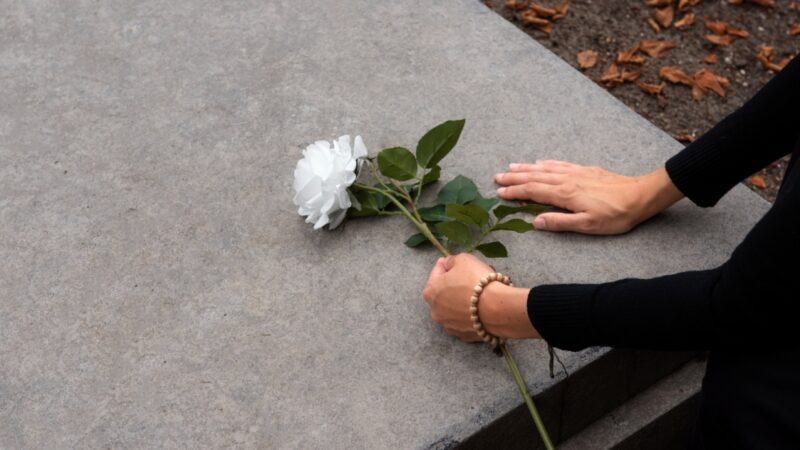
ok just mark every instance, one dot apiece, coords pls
pixel 158 289
pixel 646 421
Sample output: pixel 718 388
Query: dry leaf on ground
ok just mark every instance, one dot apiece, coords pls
pixel 543 11
pixel 654 25
pixel 794 6
pixel 630 57
pixel 684 136
pixel 722 41
pixel 711 58
pixel 611 77
pixel 765 55
pixel 587 59
pixel 758 181
pixel 664 16
pixel 529 17
pixel 709 81
pixel 561 10
pixel 655 49
pixel 686 21
pixel 716 27
pixel 794 29
pixel 630 76
pixel 738 32
pixel 516 5
pixel 765 3
pixel 658 2
pixel 654 89
pixel 683 4
pixel 675 75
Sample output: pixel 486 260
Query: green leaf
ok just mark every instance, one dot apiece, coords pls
pixel 438 142
pixel 416 240
pixel 493 250
pixel 432 176
pixel 459 190
pixel 518 225
pixel 433 214
pixel 504 210
pixel 485 203
pixel 398 163
pixel 469 214
pixel 455 231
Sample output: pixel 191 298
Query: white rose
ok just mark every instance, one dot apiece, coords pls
pixel 322 177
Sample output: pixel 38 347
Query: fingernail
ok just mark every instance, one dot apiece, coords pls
pixel 501 190
pixel 498 176
pixel 538 223
pixel 537 161
pixel 513 166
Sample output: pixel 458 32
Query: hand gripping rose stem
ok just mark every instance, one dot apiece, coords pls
pixel 512 365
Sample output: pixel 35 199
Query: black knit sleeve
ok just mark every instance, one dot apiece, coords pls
pixel 758 133
pixel 753 299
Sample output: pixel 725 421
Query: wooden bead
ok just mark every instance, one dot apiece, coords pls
pixel 491 277
pixel 473 310
pixel 477 289
pixel 477 326
pixel 481 332
pixel 484 281
pixel 494 341
pixel 474 317
pixel 487 338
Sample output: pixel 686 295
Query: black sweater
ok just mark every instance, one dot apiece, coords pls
pixel 751 301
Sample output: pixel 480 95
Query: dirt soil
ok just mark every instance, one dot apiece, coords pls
pixel 609 27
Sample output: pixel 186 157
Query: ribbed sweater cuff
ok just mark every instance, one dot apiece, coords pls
pixel 561 313
pixel 693 171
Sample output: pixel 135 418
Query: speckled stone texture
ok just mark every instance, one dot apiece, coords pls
pixel 158 289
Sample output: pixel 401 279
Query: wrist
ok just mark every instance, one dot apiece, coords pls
pixel 504 312
pixel 657 193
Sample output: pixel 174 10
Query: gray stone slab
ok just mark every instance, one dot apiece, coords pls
pixel 158 289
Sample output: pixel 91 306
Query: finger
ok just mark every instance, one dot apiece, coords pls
pixel 449 262
pixel 437 271
pixel 577 222
pixel 544 166
pixel 537 192
pixel 510 178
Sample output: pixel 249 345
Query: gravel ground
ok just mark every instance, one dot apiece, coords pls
pixel 610 27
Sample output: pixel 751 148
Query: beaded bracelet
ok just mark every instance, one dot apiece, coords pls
pixel 473 308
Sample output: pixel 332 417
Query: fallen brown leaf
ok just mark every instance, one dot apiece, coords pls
pixel 722 41
pixel 630 57
pixel 711 58
pixel 561 10
pixel 654 49
pixel 738 32
pixel 516 5
pixel 683 4
pixel 654 25
pixel 758 181
pixel 685 21
pixel 543 11
pixel 794 29
pixel 630 76
pixel 654 89
pixel 684 136
pixel 764 3
pixel 794 6
pixel 709 81
pixel 611 77
pixel 765 55
pixel 529 17
pixel 735 2
pixel 658 2
pixel 715 26
pixel 587 59
pixel 697 93
pixel 675 75
pixel 664 16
